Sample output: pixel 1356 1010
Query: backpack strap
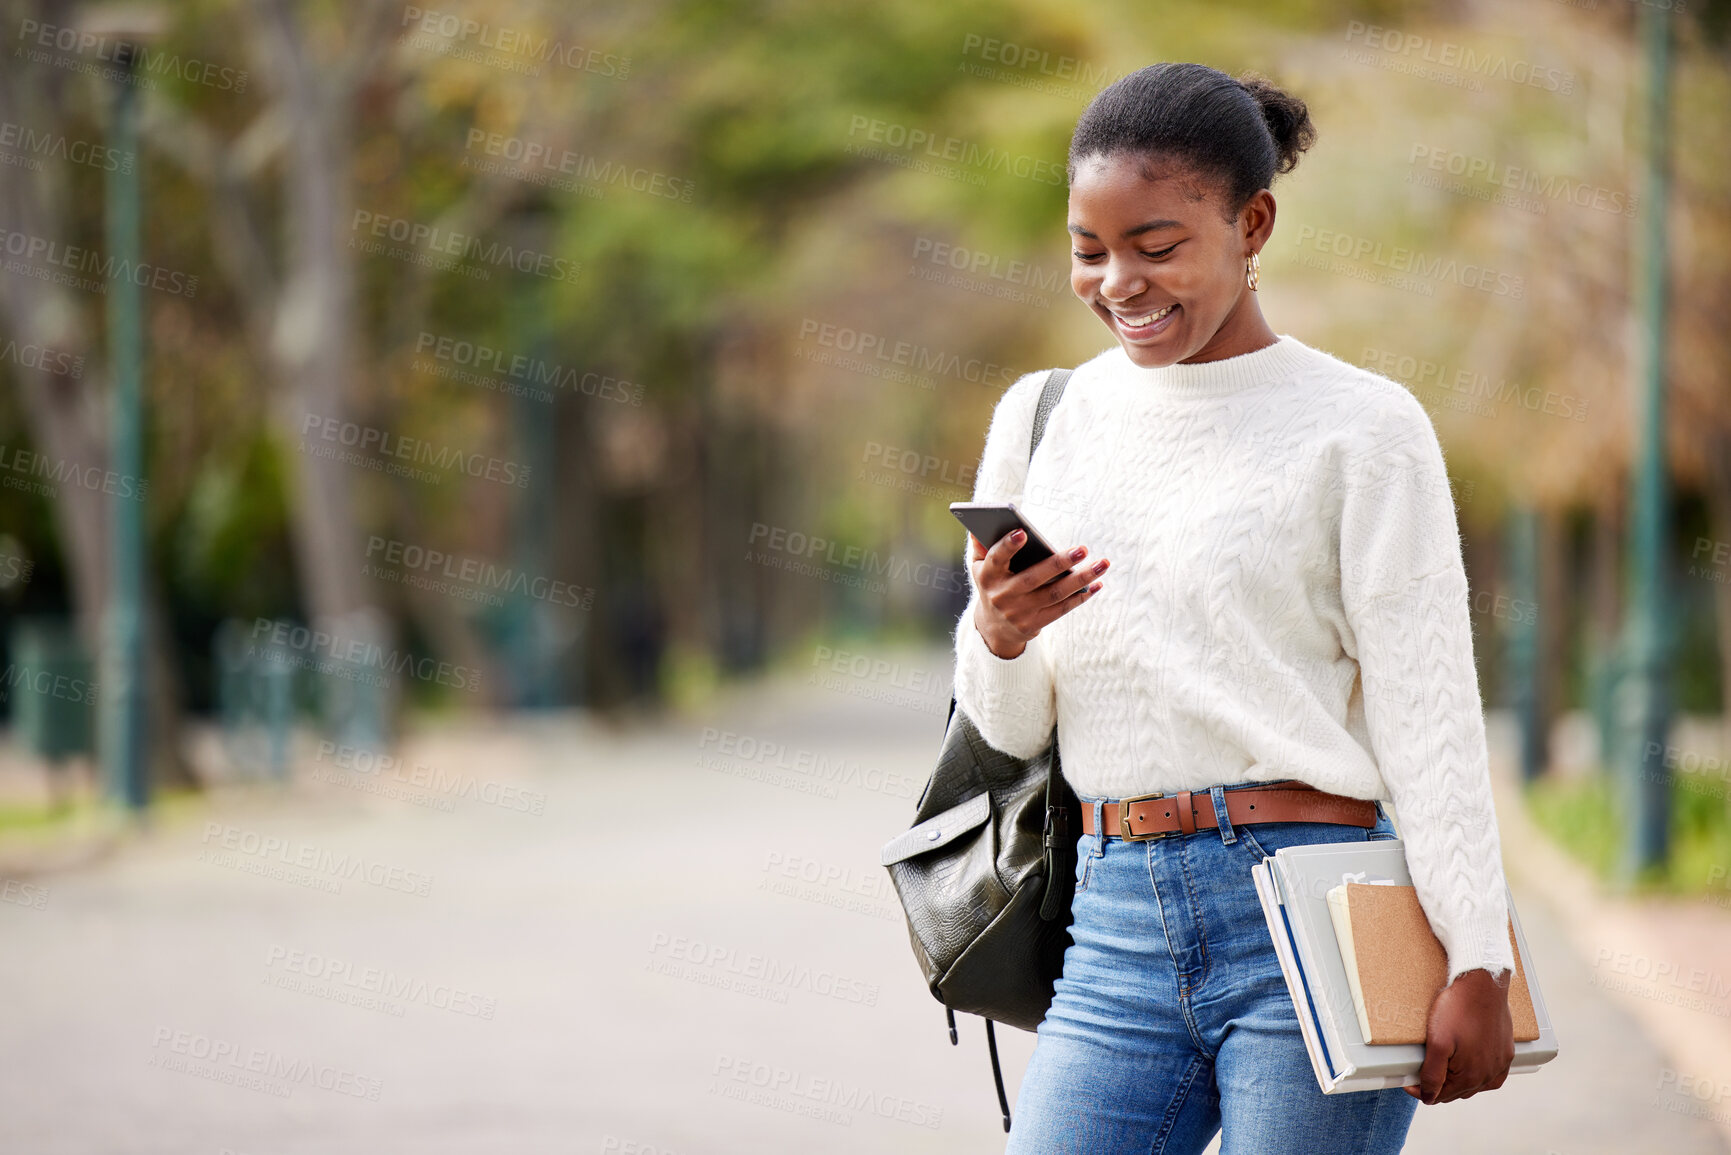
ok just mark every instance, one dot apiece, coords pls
pixel 1053 389
pixel 1049 395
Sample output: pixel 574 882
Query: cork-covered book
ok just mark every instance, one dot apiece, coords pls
pixel 1395 964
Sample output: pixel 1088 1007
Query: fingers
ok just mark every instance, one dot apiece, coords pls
pixel 1078 592
pixel 1458 1081
pixel 1034 598
pixel 1453 1071
pixel 1055 596
pixel 1005 548
pixel 1468 1081
pixel 1483 1075
pixel 1451 1092
pixel 1434 1071
pixel 1037 576
pixel 1044 572
pixel 1469 1045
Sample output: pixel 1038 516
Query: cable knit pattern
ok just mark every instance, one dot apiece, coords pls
pixel 1286 600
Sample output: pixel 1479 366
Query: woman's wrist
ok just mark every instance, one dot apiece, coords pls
pixel 1484 975
pixel 1003 648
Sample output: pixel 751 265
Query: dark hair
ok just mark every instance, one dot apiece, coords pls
pixel 1238 132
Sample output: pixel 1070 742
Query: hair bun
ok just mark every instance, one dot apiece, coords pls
pixel 1287 116
pixel 1239 134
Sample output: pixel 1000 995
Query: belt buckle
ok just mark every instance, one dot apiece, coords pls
pixel 1124 818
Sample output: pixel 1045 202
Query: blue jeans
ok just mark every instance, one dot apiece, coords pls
pixel 1172 1021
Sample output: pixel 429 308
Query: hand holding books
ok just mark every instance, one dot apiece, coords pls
pixel 1457 1036
pixel 1470 1044
pixel 1398 971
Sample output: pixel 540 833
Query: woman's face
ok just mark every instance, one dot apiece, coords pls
pixel 1159 264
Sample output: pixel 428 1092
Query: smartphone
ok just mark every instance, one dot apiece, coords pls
pixel 991 520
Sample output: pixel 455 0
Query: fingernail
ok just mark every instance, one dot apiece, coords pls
pixel 1017 535
pixel 1077 553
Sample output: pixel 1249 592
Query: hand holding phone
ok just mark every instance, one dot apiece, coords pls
pixel 990 521
pixel 1016 604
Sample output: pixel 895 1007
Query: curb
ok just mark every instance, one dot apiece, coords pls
pixel 1606 927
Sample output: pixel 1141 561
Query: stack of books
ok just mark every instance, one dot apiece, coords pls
pixel 1363 965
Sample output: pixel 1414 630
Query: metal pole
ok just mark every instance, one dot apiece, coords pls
pixel 531 645
pixel 528 624
pixel 123 734
pixel 1646 697
pixel 1521 640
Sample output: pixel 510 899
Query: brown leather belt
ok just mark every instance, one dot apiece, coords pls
pixel 1144 816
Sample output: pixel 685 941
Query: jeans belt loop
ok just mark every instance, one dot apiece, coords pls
pixel 1099 828
pixel 1218 795
pixel 1186 807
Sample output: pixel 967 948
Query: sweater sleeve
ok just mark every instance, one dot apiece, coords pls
pixel 1011 701
pixel 1404 592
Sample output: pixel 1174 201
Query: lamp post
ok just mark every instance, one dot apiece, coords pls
pixel 121 724
pixel 1644 691
pixel 1522 654
pixel 530 627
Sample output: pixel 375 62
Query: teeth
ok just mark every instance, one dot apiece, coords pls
pixel 1148 320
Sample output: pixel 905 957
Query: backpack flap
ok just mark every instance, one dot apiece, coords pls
pixel 938 830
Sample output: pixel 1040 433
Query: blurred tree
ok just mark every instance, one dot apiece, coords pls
pixel 282 212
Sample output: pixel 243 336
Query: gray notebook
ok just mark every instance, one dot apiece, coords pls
pixel 1293 884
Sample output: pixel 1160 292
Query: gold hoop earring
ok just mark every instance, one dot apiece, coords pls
pixel 1252 270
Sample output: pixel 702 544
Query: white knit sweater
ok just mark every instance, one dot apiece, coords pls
pixel 1286 599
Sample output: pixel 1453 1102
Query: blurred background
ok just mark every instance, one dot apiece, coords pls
pixel 475 575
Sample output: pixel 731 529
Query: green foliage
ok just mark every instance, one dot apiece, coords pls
pixel 1586 818
pixel 1581 816
pixel 229 545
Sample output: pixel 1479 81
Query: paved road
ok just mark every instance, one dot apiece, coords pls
pixel 618 972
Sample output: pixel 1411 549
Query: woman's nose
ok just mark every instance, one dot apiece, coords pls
pixel 1121 283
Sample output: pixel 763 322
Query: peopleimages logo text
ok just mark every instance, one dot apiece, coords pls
pixel 1400 259
pixel 372 228
pixel 475 572
pixel 1414 47
pixel 810 547
pixel 388 444
pixel 515 41
pixel 75 259
pixel 530 156
pixel 955 149
pixel 32 143
pixel 145 60
pixel 518 367
pixel 363 653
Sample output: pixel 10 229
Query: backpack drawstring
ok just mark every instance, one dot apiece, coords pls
pixel 997 1071
pixel 998 1075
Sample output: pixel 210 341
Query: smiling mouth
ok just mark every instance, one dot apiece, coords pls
pixel 1144 325
pixel 1139 322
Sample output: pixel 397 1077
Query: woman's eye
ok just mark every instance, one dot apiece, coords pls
pixel 1081 256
